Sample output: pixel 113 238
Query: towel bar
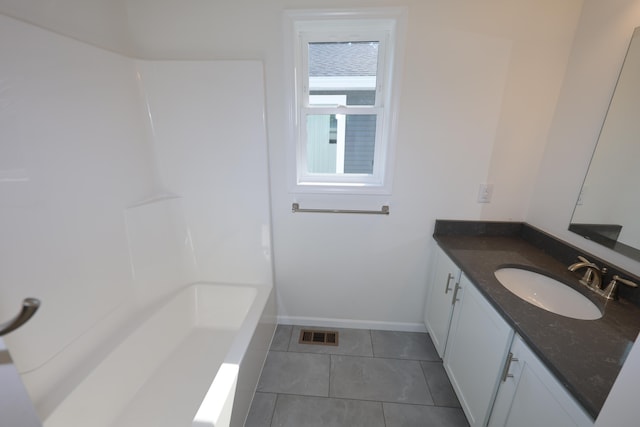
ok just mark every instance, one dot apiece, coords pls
pixel 295 207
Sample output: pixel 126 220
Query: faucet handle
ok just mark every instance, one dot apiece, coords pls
pixel 624 281
pixel 610 290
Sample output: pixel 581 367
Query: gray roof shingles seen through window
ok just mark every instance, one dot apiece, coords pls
pixel 343 59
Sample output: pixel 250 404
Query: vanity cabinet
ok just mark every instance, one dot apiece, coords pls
pixel 499 381
pixel 476 350
pixel 445 276
pixel 530 396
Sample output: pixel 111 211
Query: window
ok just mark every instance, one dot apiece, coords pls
pixel 343 71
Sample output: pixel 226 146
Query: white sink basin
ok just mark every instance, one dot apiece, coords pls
pixel 547 293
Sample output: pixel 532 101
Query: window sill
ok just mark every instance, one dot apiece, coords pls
pixel 340 188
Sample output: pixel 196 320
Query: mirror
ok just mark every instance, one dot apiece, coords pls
pixel 608 206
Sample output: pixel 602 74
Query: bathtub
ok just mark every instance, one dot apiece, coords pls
pixel 194 362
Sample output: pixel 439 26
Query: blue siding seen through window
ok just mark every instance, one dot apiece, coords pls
pixel 360 141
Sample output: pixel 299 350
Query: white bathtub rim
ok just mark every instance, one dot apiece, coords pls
pixel 213 411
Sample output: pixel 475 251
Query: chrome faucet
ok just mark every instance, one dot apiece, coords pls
pixel 592 276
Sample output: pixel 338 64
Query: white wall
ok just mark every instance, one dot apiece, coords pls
pixel 210 144
pixel 480 82
pixel 101 23
pixel 464 61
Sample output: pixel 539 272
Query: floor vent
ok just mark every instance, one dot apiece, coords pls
pixel 318 337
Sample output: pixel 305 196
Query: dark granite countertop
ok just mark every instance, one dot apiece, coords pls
pixel 585 355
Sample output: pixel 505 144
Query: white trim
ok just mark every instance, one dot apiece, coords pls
pixel 351 323
pixel 328 99
pixel 341 130
pixel 342 83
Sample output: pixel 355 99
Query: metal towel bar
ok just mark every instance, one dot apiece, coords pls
pixel 295 207
pixel 29 308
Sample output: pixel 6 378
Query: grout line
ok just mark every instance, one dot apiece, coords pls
pixel 290 338
pixel 384 416
pixel 355 399
pixel 373 352
pixel 373 356
pixel 273 413
pixel 426 380
pixel 432 398
pixel 330 367
pixel 357 355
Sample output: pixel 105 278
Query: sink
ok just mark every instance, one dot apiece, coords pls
pixel 547 293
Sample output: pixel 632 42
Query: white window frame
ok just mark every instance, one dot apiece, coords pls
pixel 385 25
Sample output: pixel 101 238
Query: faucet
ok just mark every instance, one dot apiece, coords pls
pixel 592 276
pixel 610 291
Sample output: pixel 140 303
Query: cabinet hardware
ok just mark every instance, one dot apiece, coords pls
pixel 455 294
pixel 507 365
pixel 447 288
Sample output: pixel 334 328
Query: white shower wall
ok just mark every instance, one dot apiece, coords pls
pixel 160 248
pixel 72 155
pixel 210 144
pixel 85 222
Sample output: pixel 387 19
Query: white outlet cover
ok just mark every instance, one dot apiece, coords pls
pixel 485 192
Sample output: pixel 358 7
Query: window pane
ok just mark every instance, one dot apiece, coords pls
pixel 321 152
pixel 360 142
pixel 344 68
pixel 338 143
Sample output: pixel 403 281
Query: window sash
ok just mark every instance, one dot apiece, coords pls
pixel 382 37
pixel 351 179
pixel 304 177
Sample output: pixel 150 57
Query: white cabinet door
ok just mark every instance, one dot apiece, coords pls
pixel 477 347
pixel 530 396
pixel 439 306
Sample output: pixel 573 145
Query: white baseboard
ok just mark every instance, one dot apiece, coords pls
pixel 351 323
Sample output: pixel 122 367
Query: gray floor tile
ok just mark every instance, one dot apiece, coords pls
pixel 369 379
pixel 354 342
pixel 301 411
pixel 397 415
pixel 439 384
pixel 389 380
pixel 403 345
pixel 281 338
pixel 261 410
pixel 295 373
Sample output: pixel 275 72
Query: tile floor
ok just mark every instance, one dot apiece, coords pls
pixel 372 378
